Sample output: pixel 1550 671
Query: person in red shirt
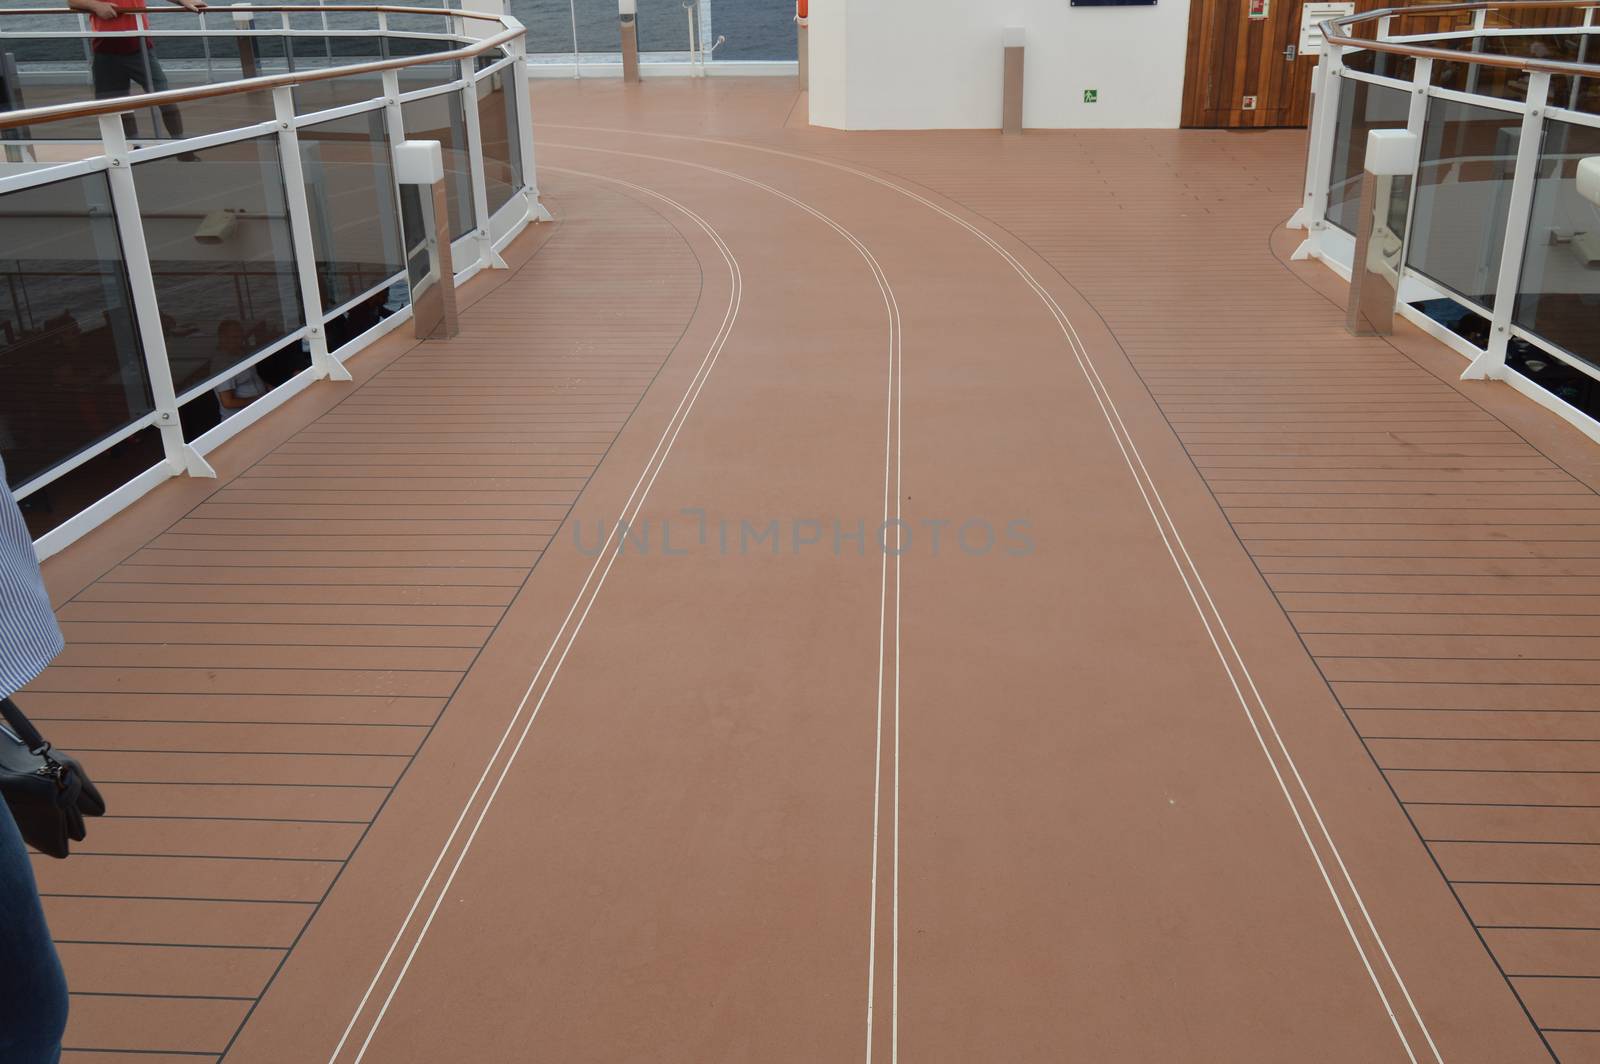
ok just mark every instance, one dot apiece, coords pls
pixel 121 62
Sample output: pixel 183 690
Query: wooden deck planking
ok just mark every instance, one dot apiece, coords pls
pixel 251 683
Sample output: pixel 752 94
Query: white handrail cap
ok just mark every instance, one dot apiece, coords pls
pixel 1014 36
pixel 1391 152
pixel 1589 179
pixel 242 18
pixel 627 7
pixel 418 162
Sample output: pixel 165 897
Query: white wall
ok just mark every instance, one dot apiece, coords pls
pixel 936 64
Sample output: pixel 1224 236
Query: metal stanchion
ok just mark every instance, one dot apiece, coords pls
pixel 803 42
pixel 1011 93
pixel 1380 233
pixel 244 20
pixel 433 299
pixel 627 17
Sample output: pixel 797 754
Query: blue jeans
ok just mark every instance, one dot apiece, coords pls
pixel 33 990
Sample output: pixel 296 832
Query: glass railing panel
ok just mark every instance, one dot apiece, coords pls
pixel 549 24
pixel 216 114
pixel 441 118
pixel 1463 194
pixel 72 370
pixel 40 72
pixel 757 29
pixel 221 255
pixel 355 220
pixel 1578 94
pixel 663 26
pixel 1363 107
pixel 312 96
pixel 414 224
pixel 1559 294
pixel 210 408
pixel 1383 64
pixel 502 140
pixel 1532 18
pixel 1407 24
pixel 52 504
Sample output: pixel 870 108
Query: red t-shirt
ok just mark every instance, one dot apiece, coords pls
pixel 121 24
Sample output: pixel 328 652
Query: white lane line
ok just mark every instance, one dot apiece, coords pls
pixel 891 456
pixel 630 508
pixel 1187 571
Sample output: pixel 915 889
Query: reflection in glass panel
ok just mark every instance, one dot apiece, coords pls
pixel 355 225
pixel 549 24
pixel 1463 193
pixel 1383 64
pixel 1362 107
pixel 414 223
pixel 760 30
pixel 440 118
pixel 73 492
pixel 72 371
pixel 325 95
pixel 221 254
pixel 1559 294
pixel 502 142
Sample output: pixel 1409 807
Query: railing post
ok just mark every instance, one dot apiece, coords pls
pixel 181 457
pixel 1325 122
pixel 480 190
pixel 305 256
pixel 530 175
pixel 1530 143
pixel 1416 123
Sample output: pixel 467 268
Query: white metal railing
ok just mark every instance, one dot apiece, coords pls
pixel 84 296
pixel 1495 241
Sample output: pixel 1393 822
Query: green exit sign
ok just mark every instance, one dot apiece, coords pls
pixel 1091 95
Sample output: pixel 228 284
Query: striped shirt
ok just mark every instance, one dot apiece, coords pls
pixel 29 636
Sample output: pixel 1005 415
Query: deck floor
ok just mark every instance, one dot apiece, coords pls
pixel 1230 695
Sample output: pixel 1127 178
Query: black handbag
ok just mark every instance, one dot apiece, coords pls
pixel 48 792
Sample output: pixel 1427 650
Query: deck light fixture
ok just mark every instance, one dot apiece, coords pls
pixel 1589 179
pixel 1380 237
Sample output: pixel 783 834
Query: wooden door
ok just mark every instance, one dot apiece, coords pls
pixel 1246 72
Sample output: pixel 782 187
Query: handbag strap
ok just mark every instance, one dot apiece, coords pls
pixel 22 726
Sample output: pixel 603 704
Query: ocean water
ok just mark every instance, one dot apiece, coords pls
pixel 755 29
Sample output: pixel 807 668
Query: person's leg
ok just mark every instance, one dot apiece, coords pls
pixel 170 115
pixel 111 80
pixel 33 990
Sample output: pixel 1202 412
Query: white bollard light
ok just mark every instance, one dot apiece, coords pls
pixel 1391 152
pixel 419 164
pixel 1589 179
pixel 1375 267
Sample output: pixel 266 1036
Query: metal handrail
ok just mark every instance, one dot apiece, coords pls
pixel 93 108
pixel 1333 33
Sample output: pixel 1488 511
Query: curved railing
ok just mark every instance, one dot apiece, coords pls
pixel 178 263
pixel 1488 239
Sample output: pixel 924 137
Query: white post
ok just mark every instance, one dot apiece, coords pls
pixel 480 190
pixel 577 62
pixel 181 458
pixel 1416 123
pixel 1327 124
pixel 305 258
pixel 530 174
pixel 1530 140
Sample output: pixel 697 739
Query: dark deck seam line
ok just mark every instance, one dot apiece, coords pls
pixel 167 897
pixel 164 997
